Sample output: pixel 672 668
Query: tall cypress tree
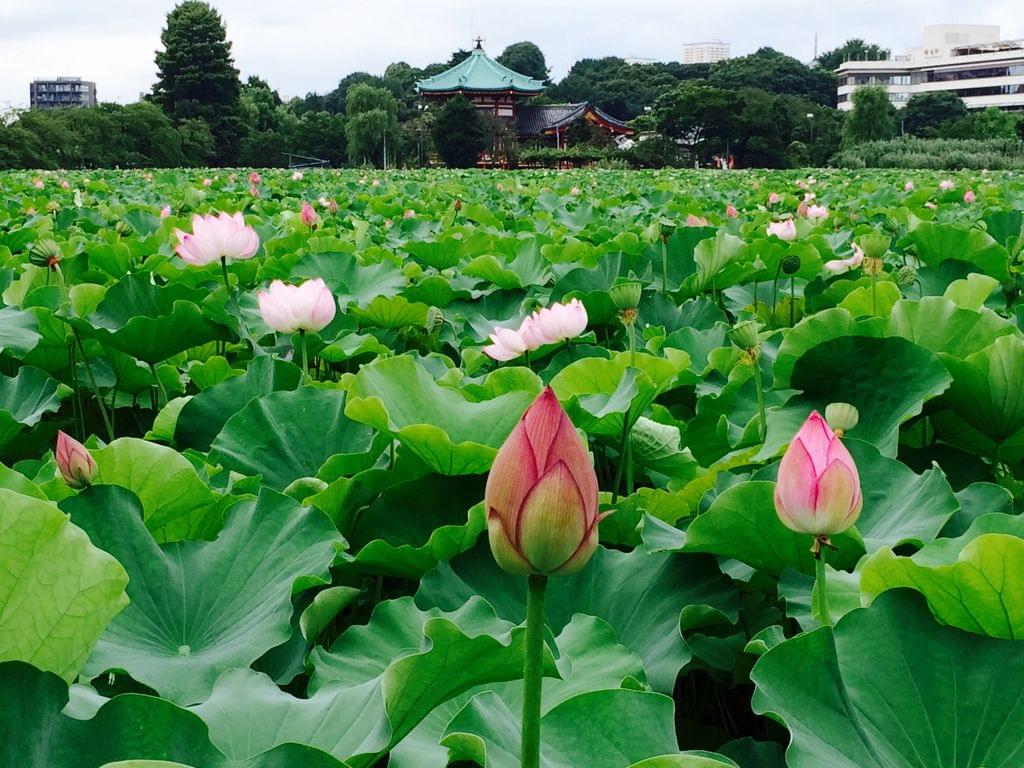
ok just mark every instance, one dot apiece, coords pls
pixel 196 76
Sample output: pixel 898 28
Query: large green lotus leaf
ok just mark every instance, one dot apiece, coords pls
pixel 742 523
pixel 451 434
pixel 287 435
pixel 936 243
pixel 975 582
pixel 442 253
pixel 645 598
pixel 133 728
pixel 19 331
pixel 589 659
pixel 392 313
pixel 150 322
pixel 600 729
pixel 939 325
pixel 414 525
pixel 176 503
pixel 900 507
pixel 24 400
pixel 205 414
pixel 349 280
pixel 201 607
pixel 888 380
pixel 986 391
pixel 373 687
pixel 600 393
pixel 890 688
pixel 754 754
pixel 58 592
pixel 722 261
pixel 814 330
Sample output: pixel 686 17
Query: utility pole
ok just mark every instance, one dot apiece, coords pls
pixel 385 149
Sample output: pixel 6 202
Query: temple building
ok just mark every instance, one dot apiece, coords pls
pixel 503 93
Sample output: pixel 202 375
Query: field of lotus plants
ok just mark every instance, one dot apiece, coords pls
pixel 586 469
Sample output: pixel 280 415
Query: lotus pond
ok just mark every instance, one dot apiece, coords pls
pixel 264 544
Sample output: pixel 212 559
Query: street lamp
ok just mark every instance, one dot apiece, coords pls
pixel 810 123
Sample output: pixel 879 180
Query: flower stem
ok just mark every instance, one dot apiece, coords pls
pixel 821 591
pixel 95 390
pixel 224 272
pixel 664 264
pixel 532 670
pixel 305 357
pixel 762 427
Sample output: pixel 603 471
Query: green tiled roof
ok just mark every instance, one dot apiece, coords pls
pixel 479 72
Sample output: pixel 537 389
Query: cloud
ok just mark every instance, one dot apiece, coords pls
pixel 309 46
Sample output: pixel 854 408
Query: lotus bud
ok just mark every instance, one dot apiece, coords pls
pixel 842 417
pixel 541 495
pixel 874 245
pixel 123 228
pixel 818 488
pixel 745 334
pixel 906 276
pixel 435 318
pixel 76 465
pixel 457 205
pixel 625 293
pixel 791 264
pixel 307 215
pixel 46 253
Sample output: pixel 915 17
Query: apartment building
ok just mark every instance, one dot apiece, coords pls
pixel 705 53
pixel 968 60
pixel 61 92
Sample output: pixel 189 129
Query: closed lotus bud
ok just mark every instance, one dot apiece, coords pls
pixel 435 318
pixel 791 264
pixel 818 488
pixel 541 495
pixel 457 205
pixel 123 228
pixel 76 465
pixel 625 294
pixel 45 253
pixel 744 335
pixel 906 276
pixel 874 245
pixel 842 417
pixel 290 308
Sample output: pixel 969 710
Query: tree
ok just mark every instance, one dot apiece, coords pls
pixel 697 116
pixel 371 121
pixel 873 117
pixel 459 133
pixel 769 70
pixel 925 113
pixel 196 76
pixel 526 59
pixel 852 50
pixel 991 123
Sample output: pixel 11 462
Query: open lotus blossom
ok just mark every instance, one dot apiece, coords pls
pixel 165 212
pixel 773 198
pixel 76 465
pixel 541 495
pixel 945 185
pixel 408 213
pixel 908 187
pixel 215 237
pixel 549 325
pixel 308 215
pixel 64 184
pixel 297 176
pixel 817 212
pixel 291 308
pixel 731 212
pixel 695 221
pixel 574 191
pixel 254 178
pixel 969 196
pixel 784 230
pixel 37 183
pixel 839 266
pixel 207 182
pixel 801 209
pixel 818 488
pixel 506 344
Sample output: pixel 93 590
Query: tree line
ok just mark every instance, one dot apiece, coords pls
pixel 766 109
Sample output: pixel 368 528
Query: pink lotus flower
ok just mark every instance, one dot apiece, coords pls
pixel 575 191
pixel 945 185
pixel 801 209
pixel 541 495
pixel 817 212
pixel 931 205
pixel 297 176
pixel 375 183
pixel 809 196
pixel 332 206
pixel 217 237
pixel 64 184
pixel 506 344
pixel 38 183
pixel 165 212
pixel 290 308
pixel 774 198
pixel 818 488
pixel 76 465
pixel 784 230
pixel 908 187
pixel 308 215
pixel 839 266
pixel 969 196
pixel 695 221
pixel 255 178
pixel 731 212
pixel 409 213
pixel 207 182
pixel 148 176
pixel 254 190
pixel 560 321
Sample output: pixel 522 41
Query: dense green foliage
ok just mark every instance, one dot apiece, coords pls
pixel 272 571
pixel 979 154
pixel 852 50
pixel 873 117
pixel 525 58
pixel 371 122
pixel 926 113
pixel 459 133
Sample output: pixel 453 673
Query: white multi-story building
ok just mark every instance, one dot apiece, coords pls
pixel 968 60
pixel 705 53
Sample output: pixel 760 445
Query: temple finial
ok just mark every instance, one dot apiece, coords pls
pixel 479 42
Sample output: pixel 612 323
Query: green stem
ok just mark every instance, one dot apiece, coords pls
pixel 775 293
pixel 532 670
pixel 762 429
pixel 305 357
pixel 874 300
pixel 792 300
pixel 632 345
pixel 96 390
pixel 224 272
pixel 664 264
pixel 623 458
pixel 161 392
pixel 821 591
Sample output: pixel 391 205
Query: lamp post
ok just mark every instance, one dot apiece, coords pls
pixel 810 124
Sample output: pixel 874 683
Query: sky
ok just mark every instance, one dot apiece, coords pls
pixel 308 45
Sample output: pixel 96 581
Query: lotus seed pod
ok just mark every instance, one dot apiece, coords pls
pixel 791 264
pixel 874 245
pixel 842 417
pixel 744 334
pixel 906 275
pixel 625 294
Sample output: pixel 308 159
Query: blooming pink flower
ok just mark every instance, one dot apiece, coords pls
pixel 290 308
pixel 839 266
pixel 64 184
pixel 332 206
pixel 254 190
pixel 931 205
pixel 695 221
pixel 207 182
pixel 37 183
pixel 409 213
pixel 945 185
pixel 731 212
pixel 773 198
pixel 908 187
pixel 255 178
pixel 784 230
pixel 76 465
pixel 165 212
pixel 307 215
pixel 375 183
pixel 817 212
pixel 560 321
pixel 818 487
pixel 541 495
pixel 574 191
pixel 297 176
pixel 801 209
pixel 506 344
pixel 216 237
pixel 969 196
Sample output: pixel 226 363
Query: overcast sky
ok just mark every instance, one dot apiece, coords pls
pixel 308 45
